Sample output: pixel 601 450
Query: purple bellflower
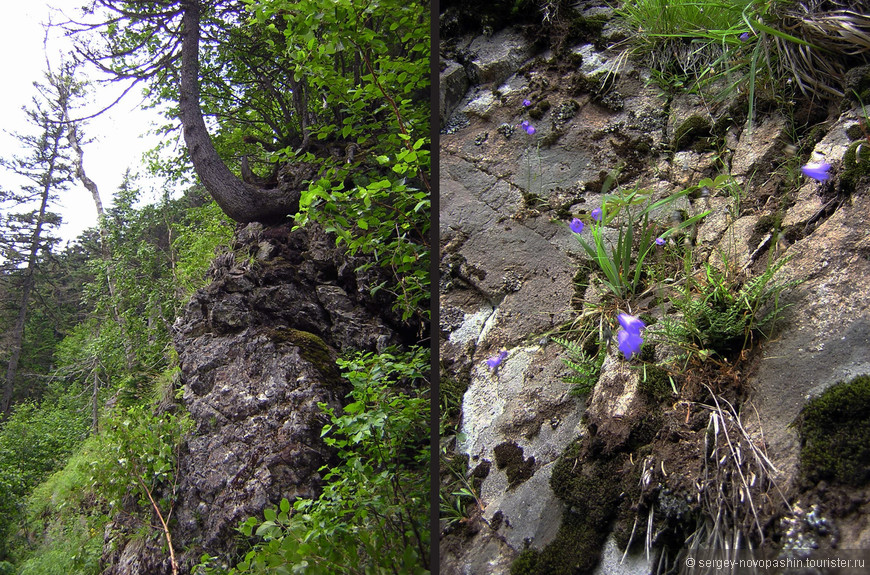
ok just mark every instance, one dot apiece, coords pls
pixel 660 241
pixel 527 103
pixel 496 360
pixel 629 343
pixel 576 226
pixel 744 37
pixel 596 214
pixel 817 170
pixel 629 337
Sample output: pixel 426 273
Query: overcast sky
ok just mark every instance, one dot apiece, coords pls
pixel 118 135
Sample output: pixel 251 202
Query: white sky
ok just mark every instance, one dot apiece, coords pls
pixel 118 141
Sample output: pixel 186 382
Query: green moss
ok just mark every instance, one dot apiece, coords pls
pixel 591 496
pixel 655 384
pixel 581 83
pixel 856 164
pixel 584 28
pixel 854 132
pixel 835 434
pixel 509 456
pixel 551 138
pixel 526 563
pixel 857 84
pixel 312 349
pixel 691 130
pixel 768 223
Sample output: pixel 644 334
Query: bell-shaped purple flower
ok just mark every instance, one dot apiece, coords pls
pixel 817 170
pixel 576 226
pixel 629 343
pixel 596 214
pixel 660 241
pixel 629 337
pixel 630 323
pixel 527 103
pixel 744 37
pixel 496 360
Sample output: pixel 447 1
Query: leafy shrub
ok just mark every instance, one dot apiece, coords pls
pixel 377 200
pixel 139 450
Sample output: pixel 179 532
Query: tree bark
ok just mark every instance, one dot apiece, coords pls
pixel 242 202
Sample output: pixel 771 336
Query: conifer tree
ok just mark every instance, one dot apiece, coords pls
pixel 27 219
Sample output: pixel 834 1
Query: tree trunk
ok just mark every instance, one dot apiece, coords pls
pixel 240 201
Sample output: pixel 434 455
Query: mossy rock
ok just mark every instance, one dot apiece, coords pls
pixel 835 434
pixel 855 132
pixel 655 384
pixel 576 549
pixel 691 130
pixel 584 28
pixel 509 456
pixel 856 164
pixel 857 84
pixel 592 497
pixel 311 348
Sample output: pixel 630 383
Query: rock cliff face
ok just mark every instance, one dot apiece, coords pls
pixel 257 351
pixel 564 476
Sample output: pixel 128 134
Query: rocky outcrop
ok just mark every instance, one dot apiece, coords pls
pixel 257 351
pixel 555 473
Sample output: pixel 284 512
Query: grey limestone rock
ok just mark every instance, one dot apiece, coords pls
pixel 257 350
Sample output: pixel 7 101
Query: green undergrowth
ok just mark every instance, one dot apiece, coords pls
pixel 34 442
pixel 63 520
pixel 835 434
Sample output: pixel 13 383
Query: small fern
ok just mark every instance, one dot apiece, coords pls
pixel 586 367
pixel 716 318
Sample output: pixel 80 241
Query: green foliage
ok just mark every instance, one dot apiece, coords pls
pixel 621 267
pixel 139 449
pixel 369 62
pixel 835 434
pixel 372 514
pixel 159 255
pixel 72 549
pixel 34 441
pixel 718 315
pixel 199 232
pixel 586 366
pixel 70 510
pixel 665 21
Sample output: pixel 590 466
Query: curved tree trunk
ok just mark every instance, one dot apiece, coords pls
pixel 240 201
